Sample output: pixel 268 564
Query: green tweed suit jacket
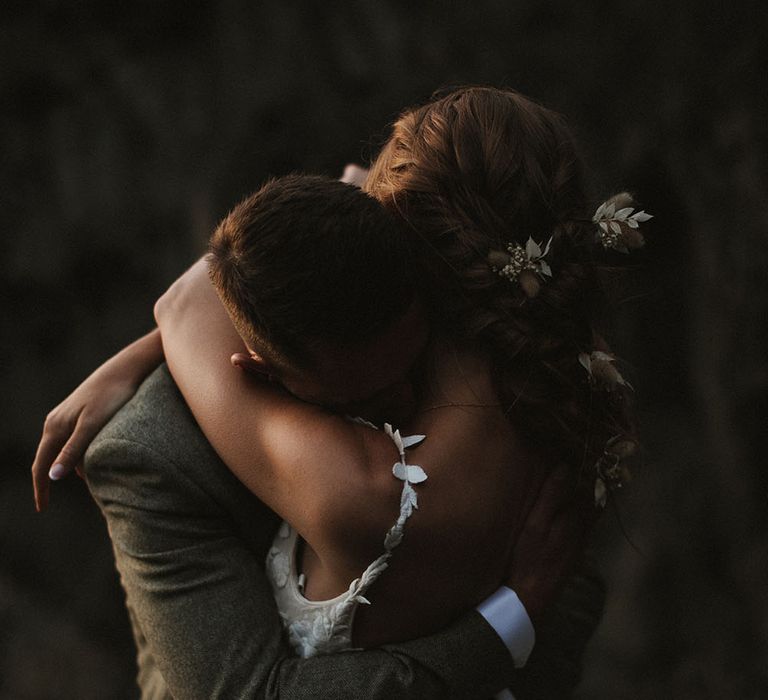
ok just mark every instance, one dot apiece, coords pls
pixel 190 543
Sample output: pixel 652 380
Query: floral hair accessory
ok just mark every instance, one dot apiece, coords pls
pixel 522 265
pixel 601 370
pixel 618 226
pixel 611 469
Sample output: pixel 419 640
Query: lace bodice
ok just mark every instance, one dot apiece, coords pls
pixel 325 626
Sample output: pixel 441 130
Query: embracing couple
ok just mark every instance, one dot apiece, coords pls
pixel 369 463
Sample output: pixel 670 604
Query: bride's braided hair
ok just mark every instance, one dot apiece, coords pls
pixel 472 172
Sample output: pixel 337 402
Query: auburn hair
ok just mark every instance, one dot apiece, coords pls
pixel 471 172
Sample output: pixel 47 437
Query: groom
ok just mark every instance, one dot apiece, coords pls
pixel 190 542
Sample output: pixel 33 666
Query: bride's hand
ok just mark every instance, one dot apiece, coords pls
pixel 354 175
pixel 71 426
pixel 551 541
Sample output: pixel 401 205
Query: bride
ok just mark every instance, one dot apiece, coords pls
pixel 416 367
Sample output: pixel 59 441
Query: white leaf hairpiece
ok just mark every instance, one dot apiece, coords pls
pixel 525 265
pixel 617 225
pixel 601 370
pixel 611 472
pixel 601 493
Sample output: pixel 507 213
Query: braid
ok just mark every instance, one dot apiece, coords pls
pixel 474 172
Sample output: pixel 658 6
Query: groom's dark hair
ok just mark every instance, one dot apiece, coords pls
pixel 307 261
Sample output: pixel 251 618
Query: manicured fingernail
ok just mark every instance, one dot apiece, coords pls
pixel 57 472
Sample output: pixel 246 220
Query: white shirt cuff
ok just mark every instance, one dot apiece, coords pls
pixel 505 694
pixel 506 614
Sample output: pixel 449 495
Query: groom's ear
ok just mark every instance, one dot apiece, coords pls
pixel 257 358
pixel 254 363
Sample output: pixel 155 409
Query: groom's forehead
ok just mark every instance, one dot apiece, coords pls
pixel 347 375
pixel 355 373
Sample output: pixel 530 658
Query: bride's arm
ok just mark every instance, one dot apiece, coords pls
pixel 71 426
pixel 294 456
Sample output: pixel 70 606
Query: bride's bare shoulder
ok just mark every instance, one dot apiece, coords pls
pixel 481 473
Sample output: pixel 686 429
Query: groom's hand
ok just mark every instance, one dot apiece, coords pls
pixel 551 541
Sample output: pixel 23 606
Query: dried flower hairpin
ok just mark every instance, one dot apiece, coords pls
pixel 522 265
pixel 601 370
pixel 611 470
pixel 618 226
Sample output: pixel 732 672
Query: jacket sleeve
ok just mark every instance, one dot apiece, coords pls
pixel 189 545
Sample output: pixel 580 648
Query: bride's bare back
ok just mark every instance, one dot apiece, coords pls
pixel 482 479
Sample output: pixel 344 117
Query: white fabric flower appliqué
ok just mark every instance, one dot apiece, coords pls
pixel 279 567
pixel 325 627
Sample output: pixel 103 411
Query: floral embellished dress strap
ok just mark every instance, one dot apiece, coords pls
pixel 409 474
pixel 321 627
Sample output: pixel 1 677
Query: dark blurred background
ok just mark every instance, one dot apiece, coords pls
pixel 129 129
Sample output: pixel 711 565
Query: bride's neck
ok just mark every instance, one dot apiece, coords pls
pixel 453 374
